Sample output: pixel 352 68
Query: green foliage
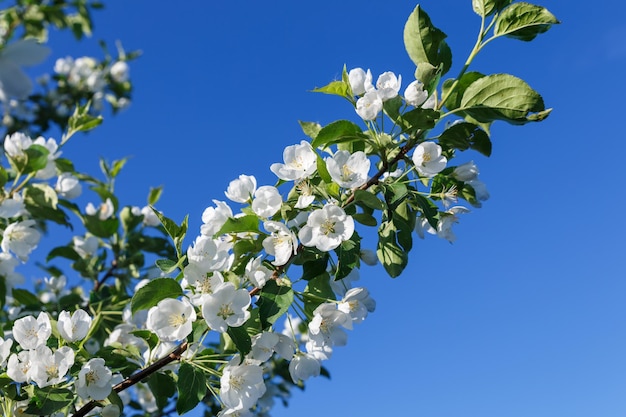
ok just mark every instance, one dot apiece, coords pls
pixel 156 290
pixel 425 43
pixel 191 387
pixel 524 21
pixel 274 301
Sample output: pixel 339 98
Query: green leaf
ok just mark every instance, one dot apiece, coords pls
pixel 311 129
pixel 453 98
pixel 154 195
pixel 167 266
pixel 66 252
pixel 4 176
pixel 274 301
pixel 348 256
pixel 48 400
pixel 368 199
pixel 82 121
pixel 524 21
pixel 323 170
pixel 241 339
pixel 487 7
pixel 503 97
pixel 463 136
pixel 191 388
pixel 418 119
pixel 153 292
pixel 365 219
pixel 424 42
pixel 101 228
pixel 336 88
pixel 393 258
pixel 317 291
pixel 249 223
pixel 163 387
pixel 177 233
pixel 339 131
pixel 37 157
pixel 25 297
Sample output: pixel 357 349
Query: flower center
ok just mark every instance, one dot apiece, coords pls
pixel 177 320
pixel 327 227
pixel 225 311
pixel 346 173
pixel 426 158
pixel 91 377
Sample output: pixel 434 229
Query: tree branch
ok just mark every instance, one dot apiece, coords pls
pixel 138 377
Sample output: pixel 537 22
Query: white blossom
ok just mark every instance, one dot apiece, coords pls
pixel 257 273
pixel 94 380
pixel 74 327
pixel 241 189
pixel 50 368
pixel 5 350
pixel 85 247
pixel 466 172
pixel 326 228
pixel 447 220
pixel 267 201
pixel 388 85
pixel 120 72
pixel 171 319
pixel 428 159
pixel 414 94
pixel 281 243
pixel 21 238
pixel 150 218
pixel 300 161
pixel 104 211
pixel 348 170
pixel 480 189
pixel 241 385
pixel 215 217
pixel 68 186
pixel 30 332
pixel 226 306
pixel 50 169
pixel 12 207
pixel 326 330
pixel 19 365
pixel 360 81
pixel 15 145
pixel 357 303
pixel 369 106
pixel 368 256
pixel 22 53
pixel 303 366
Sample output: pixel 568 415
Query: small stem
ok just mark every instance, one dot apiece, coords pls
pixel 138 377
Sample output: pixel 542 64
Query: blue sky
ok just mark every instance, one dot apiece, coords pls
pixel 524 314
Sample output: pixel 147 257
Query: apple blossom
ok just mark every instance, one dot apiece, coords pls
pixel 388 85
pixel 150 218
pixel 94 380
pixel 305 197
pixel 68 186
pixel 357 303
pixel 215 217
pixel 226 306
pixel 267 201
pixel 300 161
pixel 341 286
pixel 466 172
pixel 360 81
pixel 428 159
pixel 19 365
pixel 414 94
pixel 257 273
pixel 73 327
pixel 12 207
pixel 21 238
pixel 30 332
pixel 111 410
pixel 447 219
pixel 281 243
pixel 120 72
pixel 50 368
pixel 85 247
pixel 480 189
pixel 5 350
pixel 241 385
pixel 171 319
pixel 326 330
pixel 104 211
pixel 326 228
pixel 241 189
pixel 348 170
pixel 266 343
pixel 303 366
pixel 368 256
pixel 369 106
pixel 22 53
pixel 50 169
pixel 15 145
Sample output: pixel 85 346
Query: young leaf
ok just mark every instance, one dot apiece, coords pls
pixel 336 88
pixel 337 132
pixel 249 223
pixel 274 301
pixel 424 42
pixel 153 292
pixel 487 7
pixel 191 388
pixel 311 129
pixel 503 97
pixel 524 21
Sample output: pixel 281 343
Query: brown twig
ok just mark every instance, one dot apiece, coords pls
pixel 138 377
